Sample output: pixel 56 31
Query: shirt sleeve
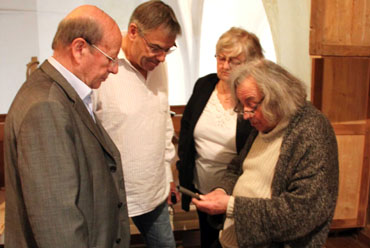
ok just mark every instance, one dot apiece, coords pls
pixel 170 151
pixel 230 207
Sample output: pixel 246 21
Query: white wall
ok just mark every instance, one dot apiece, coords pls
pixel 28 27
pixel 203 22
pixel 19 41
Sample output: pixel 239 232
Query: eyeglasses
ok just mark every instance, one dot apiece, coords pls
pixel 232 61
pixel 112 61
pixel 239 109
pixel 156 49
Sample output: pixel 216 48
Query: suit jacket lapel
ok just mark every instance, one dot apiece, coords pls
pixel 77 103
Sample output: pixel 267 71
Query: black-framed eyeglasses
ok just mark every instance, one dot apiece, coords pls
pixel 157 49
pixel 112 61
pixel 232 61
pixel 239 108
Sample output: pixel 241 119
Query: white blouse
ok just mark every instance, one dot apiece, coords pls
pixel 214 137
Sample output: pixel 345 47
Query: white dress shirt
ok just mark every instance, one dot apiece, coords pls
pixel 135 113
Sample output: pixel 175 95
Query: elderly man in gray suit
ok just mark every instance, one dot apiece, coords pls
pixel 64 181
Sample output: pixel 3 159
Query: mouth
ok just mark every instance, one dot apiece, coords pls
pixel 253 123
pixel 155 63
pixel 105 77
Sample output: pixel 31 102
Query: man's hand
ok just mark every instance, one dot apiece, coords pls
pixel 174 191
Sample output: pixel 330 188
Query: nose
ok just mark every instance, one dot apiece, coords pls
pixel 226 64
pixel 161 56
pixel 113 68
pixel 247 115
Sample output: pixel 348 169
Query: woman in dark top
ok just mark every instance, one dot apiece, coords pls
pixel 210 134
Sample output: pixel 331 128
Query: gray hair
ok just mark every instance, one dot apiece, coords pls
pixel 152 14
pixel 237 41
pixel 77 27
pixel 283 93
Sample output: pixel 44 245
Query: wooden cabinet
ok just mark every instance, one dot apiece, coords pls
pixel 340 27
pixel 2 122
pixel 340 46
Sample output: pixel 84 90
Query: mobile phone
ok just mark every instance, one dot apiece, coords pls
pixel 188 192
pixel 173 198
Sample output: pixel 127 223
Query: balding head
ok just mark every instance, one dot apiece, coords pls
pixel 86 43
pixel 87 22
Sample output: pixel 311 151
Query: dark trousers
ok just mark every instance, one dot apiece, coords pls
pixel 208 234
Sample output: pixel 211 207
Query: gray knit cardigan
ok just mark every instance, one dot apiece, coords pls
pixel 304 187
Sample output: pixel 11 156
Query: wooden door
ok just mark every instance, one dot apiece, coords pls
pixel 340 46
pixel 340 89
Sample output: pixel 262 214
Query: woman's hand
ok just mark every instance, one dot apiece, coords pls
pixel 213 203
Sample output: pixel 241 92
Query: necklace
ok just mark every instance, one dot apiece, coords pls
pixel 224 95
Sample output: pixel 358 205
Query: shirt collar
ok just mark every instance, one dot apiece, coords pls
pixel 80 87
pixel 123 59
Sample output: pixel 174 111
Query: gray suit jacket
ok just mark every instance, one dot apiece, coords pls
pixel 64 181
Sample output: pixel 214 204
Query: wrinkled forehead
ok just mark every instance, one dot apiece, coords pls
pixel 248 88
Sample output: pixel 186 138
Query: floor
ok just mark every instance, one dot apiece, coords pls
pixel 347 239
pixel 190 239
pixel 187 234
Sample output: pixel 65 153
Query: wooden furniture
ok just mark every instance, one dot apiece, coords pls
pixel 340 46
pixel 32 66
pixel 2 121
pixel 181 220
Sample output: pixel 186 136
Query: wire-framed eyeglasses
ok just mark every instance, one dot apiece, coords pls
pixel 157 49
pixel 239 108
pixel 112 61
pixel 232 61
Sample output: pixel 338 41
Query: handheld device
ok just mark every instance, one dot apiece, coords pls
pixel 173 198
pixel 188 192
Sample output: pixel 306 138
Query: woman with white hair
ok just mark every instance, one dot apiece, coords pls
pixel 281 190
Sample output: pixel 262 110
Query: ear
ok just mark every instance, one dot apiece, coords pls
pixel 133 31
pixel 79 48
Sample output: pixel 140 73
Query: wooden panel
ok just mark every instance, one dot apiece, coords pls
pixel 176 120
pixel 345 91
pixel 352 128
pixel 180 219
pixel 340 27
pixel 340 89
pixel 2 182
pixel 316 81
pixel 367 166
pixel 1 131
pixel 178 109
pixel 350 148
